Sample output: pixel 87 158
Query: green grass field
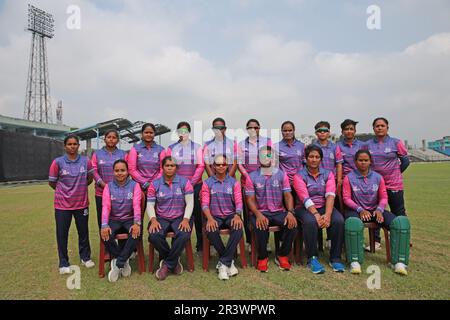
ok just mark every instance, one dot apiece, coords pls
pixel 28 264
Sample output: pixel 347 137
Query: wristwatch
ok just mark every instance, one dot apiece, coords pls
pixel 239 214
pixel 292 211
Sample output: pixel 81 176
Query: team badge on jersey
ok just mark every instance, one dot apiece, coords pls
pixel 387 150
pixel 259 186
pixel 64 172
pixel 374 187
pixel 130 195
pixel 101 162
pixel 275 184
pixel 82 170
pixel 178 192
pixel 331 155
pixel 229 190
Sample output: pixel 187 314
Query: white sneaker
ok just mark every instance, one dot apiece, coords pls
pixel 355 268
pixel 133 255
pixel 126 270
pixel 377 247
pixel 400 268
pixel 223 272
pixel 88 264
pixel 232 270
pixel 65 270
pixel 114 273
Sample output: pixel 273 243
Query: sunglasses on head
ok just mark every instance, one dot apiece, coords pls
pixel 219 127
pixel 322 130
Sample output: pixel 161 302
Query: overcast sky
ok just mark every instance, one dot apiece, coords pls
pixel 302 60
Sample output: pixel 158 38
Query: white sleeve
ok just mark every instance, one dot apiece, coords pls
pixel 151 210
pixel 189 198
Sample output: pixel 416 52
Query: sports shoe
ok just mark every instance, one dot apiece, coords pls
pixel 88 264
pixel 114 273
pixel 223 272
pixel 315 266
pixel 232 270
pixel 355 268
pixel 400 268
pixel 263 265
pixel 126 270
pixel 337 266
pixel 178 268
pixel 377 247
pixel 283 263
pixel 65 270
pixel 163 271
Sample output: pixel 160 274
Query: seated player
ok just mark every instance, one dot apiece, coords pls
pixel 265 190
pixel 221 200
pixel 170 202
pixel 121 213
pixel 316 190
pixel 365 195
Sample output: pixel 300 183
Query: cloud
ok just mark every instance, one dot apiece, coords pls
pixel 134 62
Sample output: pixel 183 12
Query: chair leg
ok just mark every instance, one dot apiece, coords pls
pixel 387 243
pixel 298 248
pixel 190 256
pixel 253 252
pixel 242 253
pixel 101 260
pixel 141 256
pixel 151 257
pixel 372 240
pixel 205 252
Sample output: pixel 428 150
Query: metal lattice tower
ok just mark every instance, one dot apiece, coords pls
pixel 38 105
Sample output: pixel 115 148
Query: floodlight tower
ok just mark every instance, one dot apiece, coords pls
pixel 38 105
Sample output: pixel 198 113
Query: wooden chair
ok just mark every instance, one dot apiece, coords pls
pixel 206 248
pixel 254 244
pixel 188 248
pixel 372 226
pixel 105 257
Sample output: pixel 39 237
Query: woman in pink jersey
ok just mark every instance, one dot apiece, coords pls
pixel 170 201
pixel 189 158
pixel 248 161
pixel 121 214
pixel 102 162
pixel 144 158
pixel 390 159
pixel 70 176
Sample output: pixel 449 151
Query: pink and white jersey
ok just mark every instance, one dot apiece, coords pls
pixel 189 157
pixel 332 156
pixel 348 150
pixel 121 202
pixel 268 190
pixel 222 198
pixel 364 193
pixel 215 147
pixel 386 156
pixel 248 155
pixel 102 162
pixel 71 179
pixel 169 198
pixel 145 162
pixel 291 157
pixel 313 191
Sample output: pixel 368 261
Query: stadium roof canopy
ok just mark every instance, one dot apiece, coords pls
pixel 128 130
pixel 33 127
